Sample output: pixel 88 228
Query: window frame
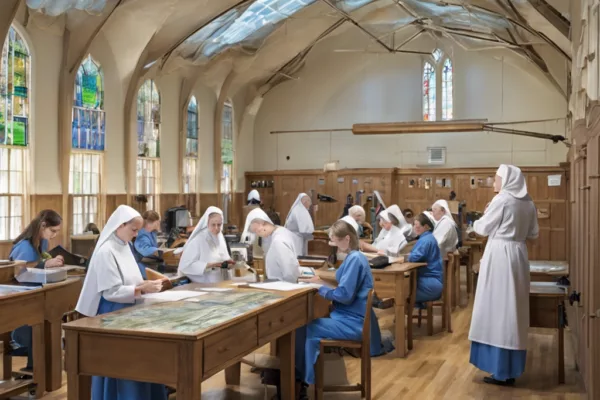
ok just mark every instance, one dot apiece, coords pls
pixel 438 68
pixel 190 177
pixel 226 195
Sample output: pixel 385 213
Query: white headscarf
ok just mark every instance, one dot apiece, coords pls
pixel 396 212
pixel 298 209
pixel 513 181
pixel 351 221
pixel 203 223
pixel 254 195
pixel 357 210
pixel 94 283
pixel 446 207
pixel 257 213
pixel 429 215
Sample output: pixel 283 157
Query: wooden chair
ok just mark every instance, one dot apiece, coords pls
pixel 364 346
pixel 444 302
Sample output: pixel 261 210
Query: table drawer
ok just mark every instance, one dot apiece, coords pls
pixel 543 312
pixel 227 344
pixel 283 318
pixel 385 285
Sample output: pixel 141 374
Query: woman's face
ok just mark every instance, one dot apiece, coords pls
pixel 129 230
pixel 418 228
pixel 259 228
pixel 497 183
pixel 49 232
pixel 306 202
pixel 385 224
pixel 215 223
pixel 342 244
pixel 358 217
pixel 438 212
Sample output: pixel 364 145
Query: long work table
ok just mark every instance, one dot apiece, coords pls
pixel 183 343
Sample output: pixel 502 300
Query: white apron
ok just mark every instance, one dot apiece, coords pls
pixel 501 310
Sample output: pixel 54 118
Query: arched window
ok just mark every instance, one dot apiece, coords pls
pixel 437 87
pixel 14 133
pixel 227 156
pixel 148 130
pixel 429 85
pixel 447 90
pixel 88 133
pixel 190 162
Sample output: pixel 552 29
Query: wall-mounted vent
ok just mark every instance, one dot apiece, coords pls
pixel 436 155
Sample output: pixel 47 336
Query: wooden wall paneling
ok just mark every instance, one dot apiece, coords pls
pixel 5 248
pixel 238 201
pixel 207 200
pixel 112 202
pixel 169 200
pixel 54 202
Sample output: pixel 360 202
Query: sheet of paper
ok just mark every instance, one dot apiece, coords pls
pixel 215 289
pixel 554 180
pixel 282 286
pixel 172 295
pixel 239 283
pixel 307 271
pixel 166 250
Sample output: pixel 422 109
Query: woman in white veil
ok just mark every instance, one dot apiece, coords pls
pixel 445 228
pixel 392 238
pixel 205 252
pixel 300 223
pixel 113 282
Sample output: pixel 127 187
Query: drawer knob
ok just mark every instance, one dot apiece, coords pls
pixel 221 349
pixel 282 319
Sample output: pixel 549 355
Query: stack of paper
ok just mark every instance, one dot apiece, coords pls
pixel 172 295
pixel 282 286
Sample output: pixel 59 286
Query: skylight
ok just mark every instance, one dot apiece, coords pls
pixel 437 54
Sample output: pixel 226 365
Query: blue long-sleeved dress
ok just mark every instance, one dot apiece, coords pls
pixel 347 318
pixel 429 278
pixel 146 245
pixel 24 251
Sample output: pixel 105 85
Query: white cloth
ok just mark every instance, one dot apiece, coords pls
pixel 257 214
pixel 501 310
pixel 281 259
pixel 113 271
pixel 445 230
pixel 513 181
pixel 446 207
pixel 351 221
pixel 254 195
pixel 300 223
pixel 203 248
pixel 392 241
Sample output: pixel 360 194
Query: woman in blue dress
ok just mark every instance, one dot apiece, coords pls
pixel 146 243
pixel 349 303
pixel 114 282
pixel 429 278
pixel 30 246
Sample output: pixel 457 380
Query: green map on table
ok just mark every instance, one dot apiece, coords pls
pixel 188 317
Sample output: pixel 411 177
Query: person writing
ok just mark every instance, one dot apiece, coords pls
pixel 300 223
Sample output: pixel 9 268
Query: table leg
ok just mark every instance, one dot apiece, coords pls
pixel 6 357
pixel 189 380
pixel 285 346
pixel 400 310
pixel 561 348
pixel 233 374
pixel 470 272
pixel 39 363
pixel 79 387
pixel 53 337
pixel 273 348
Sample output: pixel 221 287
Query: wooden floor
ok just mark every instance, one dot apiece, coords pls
pixel 437 368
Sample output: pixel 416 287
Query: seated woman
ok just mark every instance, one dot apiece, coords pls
pixel 429 278
pixel 146 243
pixel 114 282
pixel 281 260
pixel 92 228
pixel 445 228
pixel 349 304
pixel 31 246
pixel 300 223
pixel 391 240
pixel 359 215
pixel 409 216
pixel 205 252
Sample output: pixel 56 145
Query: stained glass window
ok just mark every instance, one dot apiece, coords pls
pixel 447 90
pixel 89 122
pixel 191 142
pixel 226 157
pixel 429 96
pixel 14 91
pixel 148 120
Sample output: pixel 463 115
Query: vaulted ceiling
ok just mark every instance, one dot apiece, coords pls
pixel 265 42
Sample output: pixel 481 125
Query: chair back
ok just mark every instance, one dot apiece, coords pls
pixel 366 332
pixel 448 263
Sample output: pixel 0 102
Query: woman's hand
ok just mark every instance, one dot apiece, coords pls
pixel 55 262
pixel 151 286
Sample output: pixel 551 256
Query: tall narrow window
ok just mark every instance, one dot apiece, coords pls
pixel 14 133
pixel 227 157
pixel 88 134
pixel 447 90
pixel 190 162
pixel 429 95
pixel 148 130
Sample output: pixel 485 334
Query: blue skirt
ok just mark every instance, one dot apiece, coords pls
pixel 502 363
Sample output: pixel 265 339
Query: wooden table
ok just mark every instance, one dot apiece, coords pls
pixel 476 248
pixel 18 309
pixel 183 359
pixel 392 281
pixel 548 271
pixel 546 308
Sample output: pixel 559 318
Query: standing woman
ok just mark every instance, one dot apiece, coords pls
pixel 300 223
pixel 146 243
pixel 391 240
pixel 31 246
pixel 501 312
pixel 205 252
pixel 445 228
pixel 278 243
pixel 114 282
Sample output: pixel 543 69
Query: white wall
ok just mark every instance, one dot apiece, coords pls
pixel 207 100
pixel 169 87
pixel 338 89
